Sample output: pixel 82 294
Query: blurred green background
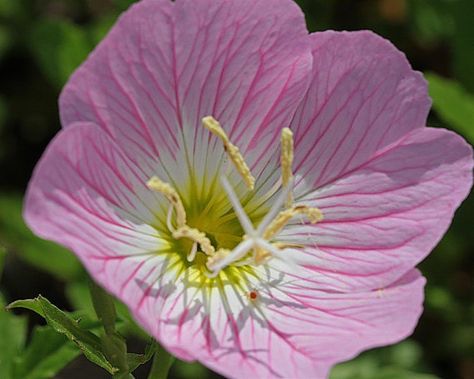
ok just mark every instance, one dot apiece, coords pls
pixel 43 41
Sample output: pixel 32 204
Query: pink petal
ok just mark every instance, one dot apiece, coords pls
pixel 388 186
pixel 327 328
pixel 167 64
pixel 363 97
pixel 292 330
pixel 84 196
pixel 386 216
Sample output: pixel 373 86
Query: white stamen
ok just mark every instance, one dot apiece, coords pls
pixel 236 254
pixel 267 195
pixel 275 209
pixel 254 238
pixel 245 262
pixel 277 253
pixel 168 219
pixel 239 211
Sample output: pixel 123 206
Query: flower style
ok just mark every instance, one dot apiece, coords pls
pixel 257 196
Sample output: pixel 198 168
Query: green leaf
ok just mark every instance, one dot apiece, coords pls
pixel 115 349
pixel 162 362
pixel 401 361
pixel 79 297
pixel 78 294
pixel 113 343
pixel 59 47
pixel 3 113
pixel 31 304
pixel 129 324
pixel 463 41
pixel 3 107
pixel 399 373
pixel 9 8
pixel 136 360
pixel 3 254
pixel 453 104
pixel 364 370
pixel 5 40
pixel 101 27
pixel 104 307
pixel 42 254
pixel 47 353
pixel 360 368
pixel 406 354
pixel 432 20
pixel 63 323
pixel 123 4
pixel 12 339
pixel 192 370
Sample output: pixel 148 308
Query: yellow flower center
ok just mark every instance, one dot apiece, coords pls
pixel 214 231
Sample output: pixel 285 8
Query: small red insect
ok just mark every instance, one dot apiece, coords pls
pixel 253 295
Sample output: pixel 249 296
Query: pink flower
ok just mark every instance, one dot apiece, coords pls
pixel 149 199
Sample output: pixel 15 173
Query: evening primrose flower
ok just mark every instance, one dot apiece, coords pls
pixel 257 196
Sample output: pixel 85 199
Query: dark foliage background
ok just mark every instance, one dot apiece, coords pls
pixel 42 41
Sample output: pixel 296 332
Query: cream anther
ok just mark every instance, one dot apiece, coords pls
pixel 167 190
pixel 197 236
pixel 182 230
pixel 233 151
pixel 286 161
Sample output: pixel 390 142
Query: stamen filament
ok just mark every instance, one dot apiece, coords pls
pixel 277 253
pixel 192 254
pixel 168 219
pixel 314 215
pixel 218 263
pixel 233 151
pixel 274 210
pixel 216 258
pixel 239 211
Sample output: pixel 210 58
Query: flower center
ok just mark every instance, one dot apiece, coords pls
pixel 215 231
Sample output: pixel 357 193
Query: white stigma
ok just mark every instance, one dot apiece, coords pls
pixel 254 237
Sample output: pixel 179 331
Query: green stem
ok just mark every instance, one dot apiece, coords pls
pixel 104 307
pixel 113 344
pixel 162 363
